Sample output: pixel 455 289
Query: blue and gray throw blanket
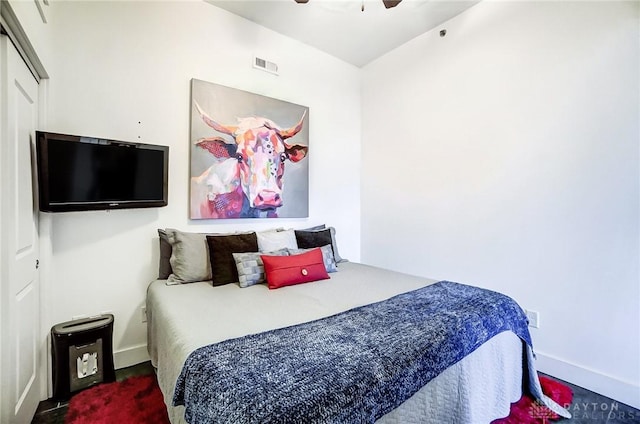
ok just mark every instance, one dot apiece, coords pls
pixel 351 367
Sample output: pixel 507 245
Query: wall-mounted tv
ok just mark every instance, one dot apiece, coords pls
pixel 78 173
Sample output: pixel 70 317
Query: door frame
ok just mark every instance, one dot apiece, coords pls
pixel 11 27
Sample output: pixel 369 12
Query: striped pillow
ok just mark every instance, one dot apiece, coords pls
pixel 251 268
pixel 327 256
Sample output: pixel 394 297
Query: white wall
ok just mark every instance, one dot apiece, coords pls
pixel 120 63
pixel 506 155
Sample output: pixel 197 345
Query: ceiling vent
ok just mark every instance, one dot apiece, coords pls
pixel 265 65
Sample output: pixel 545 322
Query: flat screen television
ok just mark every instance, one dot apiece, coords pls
pixel 78 173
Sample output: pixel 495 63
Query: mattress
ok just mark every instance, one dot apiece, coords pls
pixel 182 318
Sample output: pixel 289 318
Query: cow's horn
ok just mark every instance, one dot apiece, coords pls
pixel 213 124
pixel 293 130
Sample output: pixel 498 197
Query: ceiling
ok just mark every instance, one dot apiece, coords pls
pixel 342 29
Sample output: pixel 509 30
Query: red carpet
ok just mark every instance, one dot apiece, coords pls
pixel 138 400
pixel 526 411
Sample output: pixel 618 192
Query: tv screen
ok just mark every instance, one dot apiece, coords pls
pixel 83 173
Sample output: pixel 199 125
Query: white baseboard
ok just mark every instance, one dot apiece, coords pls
pixel 623 391
pixel 130 356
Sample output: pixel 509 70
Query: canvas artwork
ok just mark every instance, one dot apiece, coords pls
pixel 249 155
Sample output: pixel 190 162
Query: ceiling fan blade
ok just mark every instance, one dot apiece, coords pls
pixel 389 3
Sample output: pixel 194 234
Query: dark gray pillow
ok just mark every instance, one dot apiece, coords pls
pixel 164 266
pixel 221 250
pixel 317 238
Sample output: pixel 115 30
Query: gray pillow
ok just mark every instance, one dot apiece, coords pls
pixel 315 228
pixel 334 246
pixel 251 268
pixel 327 256
pixel 189 257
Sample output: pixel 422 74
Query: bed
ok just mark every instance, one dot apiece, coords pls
pixel 185 318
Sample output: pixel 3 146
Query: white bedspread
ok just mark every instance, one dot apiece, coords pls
pixel 182 318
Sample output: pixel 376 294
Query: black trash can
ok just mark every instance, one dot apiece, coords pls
pixel 82 354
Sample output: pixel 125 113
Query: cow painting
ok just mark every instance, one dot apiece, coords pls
pixel 246 176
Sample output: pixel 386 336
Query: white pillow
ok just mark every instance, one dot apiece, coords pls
pixel 269 241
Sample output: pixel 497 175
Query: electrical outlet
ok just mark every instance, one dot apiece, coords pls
pixel 534 318
pixel 143 312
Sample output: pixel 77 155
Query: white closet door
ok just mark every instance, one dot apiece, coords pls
pixel 19 286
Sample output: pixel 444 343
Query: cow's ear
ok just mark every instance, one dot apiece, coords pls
pixel 218 147
pixel 296 152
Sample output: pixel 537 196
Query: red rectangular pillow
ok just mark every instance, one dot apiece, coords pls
pixel 295 269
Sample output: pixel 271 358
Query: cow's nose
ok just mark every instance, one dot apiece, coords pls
pixel 268 198
pixel 276 197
